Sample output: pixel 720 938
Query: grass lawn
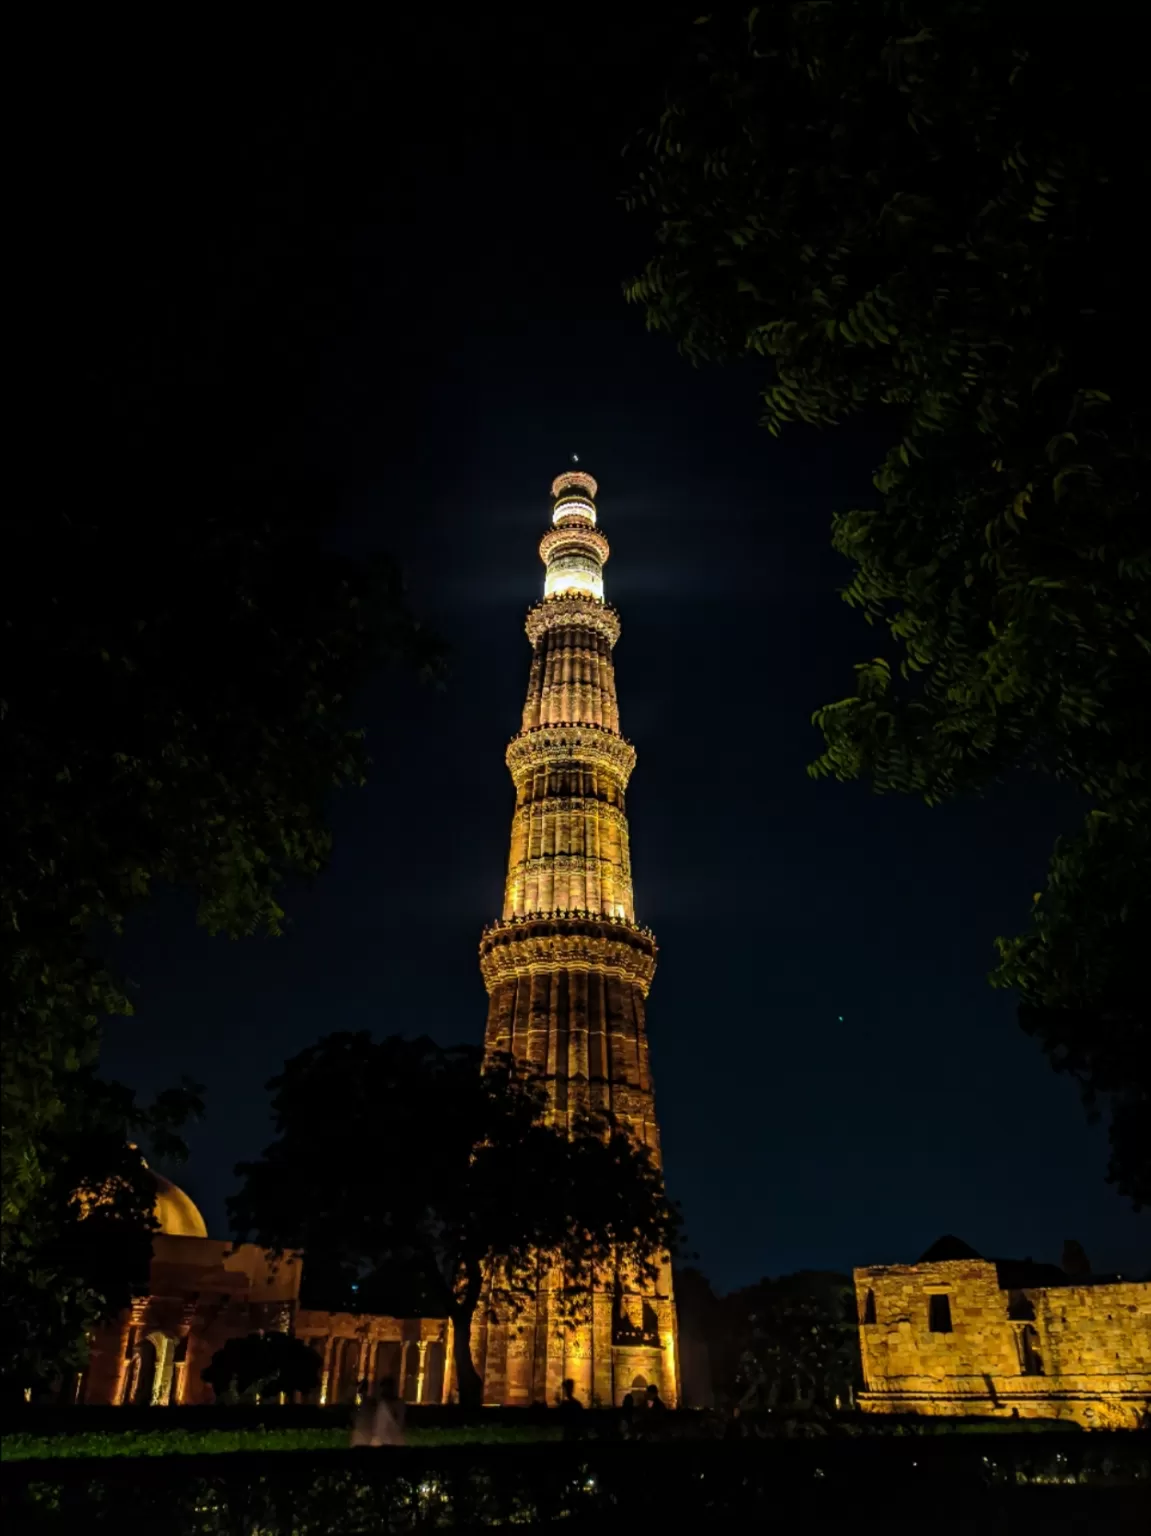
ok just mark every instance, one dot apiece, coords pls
pixel 191 1442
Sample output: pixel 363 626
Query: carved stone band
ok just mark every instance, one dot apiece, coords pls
pixel 589 539
pixel 513 950
pixel 553 745
pixel 585 807
pixel 568 610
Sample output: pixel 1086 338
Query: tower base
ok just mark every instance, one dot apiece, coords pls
pixel 611 1345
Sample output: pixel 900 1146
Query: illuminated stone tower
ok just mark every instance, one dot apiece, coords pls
pixel 567 968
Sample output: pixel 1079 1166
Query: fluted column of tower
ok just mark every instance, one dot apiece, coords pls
pixel 567 968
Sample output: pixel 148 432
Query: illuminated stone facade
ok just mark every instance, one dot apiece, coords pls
pixel 359 1351
pixel 204 1291
pixel 567 968
pixel 973 1336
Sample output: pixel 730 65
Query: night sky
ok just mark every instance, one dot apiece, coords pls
pixel 396 276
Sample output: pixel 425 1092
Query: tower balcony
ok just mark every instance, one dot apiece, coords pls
pixel 548 746
pixel 572 610
pixel 567 941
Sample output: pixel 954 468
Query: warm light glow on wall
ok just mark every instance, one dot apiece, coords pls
pixel 574 508
pixel 565 579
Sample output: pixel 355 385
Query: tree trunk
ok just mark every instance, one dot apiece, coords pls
pixel 469 1383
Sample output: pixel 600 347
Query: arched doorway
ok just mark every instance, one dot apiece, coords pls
pixel 143 1373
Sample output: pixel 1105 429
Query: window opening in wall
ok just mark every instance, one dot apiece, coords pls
pixel 1032 1359
pixel 939 1314
pixel 869 1307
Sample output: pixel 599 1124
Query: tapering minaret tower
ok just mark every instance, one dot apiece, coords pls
pixel 567 968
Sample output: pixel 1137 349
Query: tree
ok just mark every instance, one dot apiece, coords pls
pixel 783 1343
pixel 259 1365
pixel 83 1247
pixel 185 728
pixel 182 728
pixel 183 643
pixel 796 1342
pixel 925 215
pixel 413 1181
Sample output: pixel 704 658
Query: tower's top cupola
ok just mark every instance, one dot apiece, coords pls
pixel 573 550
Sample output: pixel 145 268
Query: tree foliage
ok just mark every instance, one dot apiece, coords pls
pixel 180 724
pixel 178 721
pixel 791 1342
pixel 83 1245
pixel 183 641
pixel 259 1365
pixel 926 215
pixel 798 1342
pixel 414 1182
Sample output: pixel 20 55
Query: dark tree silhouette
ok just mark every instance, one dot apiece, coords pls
pixel 183 643
pixel 411 1179
pixel 82 1248
pixel 928 214
pixel 262 1365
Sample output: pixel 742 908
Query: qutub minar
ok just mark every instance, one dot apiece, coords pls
pixel 567 967
pixel 568 971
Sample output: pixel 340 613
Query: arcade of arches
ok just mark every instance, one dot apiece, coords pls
pixel 204 1291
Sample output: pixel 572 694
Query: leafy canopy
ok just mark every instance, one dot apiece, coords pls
pixel 926 215
pixel 417 1183
pixel 176 710
pixel 83 1247
pixel 259 1365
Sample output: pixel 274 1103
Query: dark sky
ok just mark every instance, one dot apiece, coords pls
pixel 396 275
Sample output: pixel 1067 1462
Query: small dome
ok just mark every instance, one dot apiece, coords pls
pixel 176 1212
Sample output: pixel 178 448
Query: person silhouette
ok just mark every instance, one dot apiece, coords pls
pixel 380 1419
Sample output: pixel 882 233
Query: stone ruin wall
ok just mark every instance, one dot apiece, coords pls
pixel 1081 1352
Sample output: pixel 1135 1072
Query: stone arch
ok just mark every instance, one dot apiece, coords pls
pixel 143 1381
pixel 165 1345
pixel 153 1365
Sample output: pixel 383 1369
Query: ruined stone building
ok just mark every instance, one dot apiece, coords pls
pixel 568 968
pixel 959 1334
pixel 204 1291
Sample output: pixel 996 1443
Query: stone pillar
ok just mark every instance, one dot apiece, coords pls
pixel 422 1346
pixel 449 1381
pixel 326 1370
